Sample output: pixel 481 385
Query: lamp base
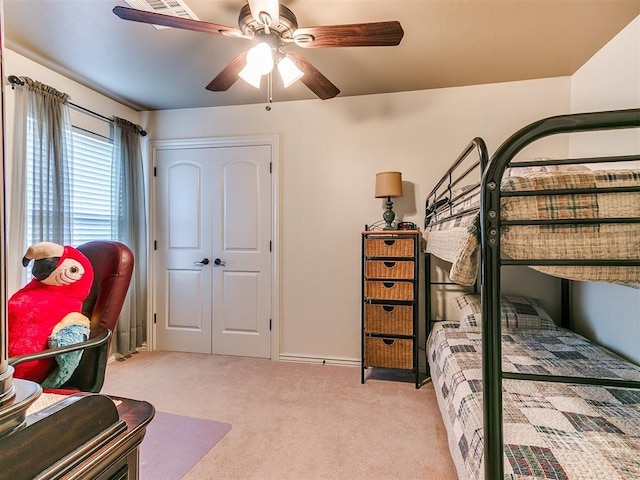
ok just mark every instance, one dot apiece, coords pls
pixel 389 216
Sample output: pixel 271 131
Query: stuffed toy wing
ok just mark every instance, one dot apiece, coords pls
pixel 74 328
pixel 50 306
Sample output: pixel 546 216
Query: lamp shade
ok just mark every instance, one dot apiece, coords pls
pixel 250 75
pixel 388 184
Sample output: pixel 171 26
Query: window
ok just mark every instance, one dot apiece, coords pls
pixel 90 177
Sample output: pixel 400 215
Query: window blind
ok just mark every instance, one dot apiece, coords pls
pixel 90 176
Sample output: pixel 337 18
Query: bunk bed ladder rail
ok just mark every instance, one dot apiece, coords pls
pixel 490 223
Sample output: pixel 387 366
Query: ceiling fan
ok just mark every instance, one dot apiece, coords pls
pixel 273 27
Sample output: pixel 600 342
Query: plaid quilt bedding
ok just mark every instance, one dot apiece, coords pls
pixel 457 240
pixel 551 430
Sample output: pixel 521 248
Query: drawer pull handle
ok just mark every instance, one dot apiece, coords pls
pixel 388 284
pixel 388 308
pixel 388 341
pixel 389 243
pixel 389 264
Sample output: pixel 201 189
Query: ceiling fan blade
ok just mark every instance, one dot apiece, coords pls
pixel 176 22
pixel 313 79
pixel 378 34
pixel 228 75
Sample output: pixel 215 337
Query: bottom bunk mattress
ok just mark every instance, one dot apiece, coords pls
pixel 551 430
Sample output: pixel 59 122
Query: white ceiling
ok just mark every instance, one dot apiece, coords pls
pixel 446 43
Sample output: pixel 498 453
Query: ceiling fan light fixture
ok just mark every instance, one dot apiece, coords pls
pixel 274 24
pixel 289 71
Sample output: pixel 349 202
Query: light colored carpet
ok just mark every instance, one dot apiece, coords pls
pixel 293 421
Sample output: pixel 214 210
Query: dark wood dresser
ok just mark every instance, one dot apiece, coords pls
pixel 83 436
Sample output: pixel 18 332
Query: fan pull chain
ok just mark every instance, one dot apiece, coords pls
pixel 269 91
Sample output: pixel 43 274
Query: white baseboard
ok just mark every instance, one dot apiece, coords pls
pixel 345 362
pixel 285 357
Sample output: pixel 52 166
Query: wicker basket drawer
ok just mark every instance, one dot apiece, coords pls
pixel 396 247
pixel 388 290
pixel 388 319
pixel 389 269
pixel 388 352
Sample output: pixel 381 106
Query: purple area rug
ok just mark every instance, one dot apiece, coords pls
pixel 174 443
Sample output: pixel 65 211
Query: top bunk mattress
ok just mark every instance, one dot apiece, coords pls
pixel 453 232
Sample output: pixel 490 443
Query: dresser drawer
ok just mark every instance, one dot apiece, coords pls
pixel 388 319
pixel 385 247
pixel 388 352
pixel 403 269
pixel 388 290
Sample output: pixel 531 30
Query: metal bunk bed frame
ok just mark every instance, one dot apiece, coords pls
pixel 451 179
pixel 491 261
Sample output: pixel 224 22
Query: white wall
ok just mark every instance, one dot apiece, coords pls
pixel 331 151
pixel 610 80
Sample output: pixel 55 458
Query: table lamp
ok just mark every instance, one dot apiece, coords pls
pixel 388 184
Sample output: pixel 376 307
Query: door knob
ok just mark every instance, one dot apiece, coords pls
pixel 219 263
pixel 204 261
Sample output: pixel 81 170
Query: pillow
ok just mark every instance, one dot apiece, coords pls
pixel 523 171
pixel 516 313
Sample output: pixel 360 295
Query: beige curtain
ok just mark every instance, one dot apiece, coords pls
pixel 129 213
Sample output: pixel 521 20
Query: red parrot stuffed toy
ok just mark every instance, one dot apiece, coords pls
pixel 50 302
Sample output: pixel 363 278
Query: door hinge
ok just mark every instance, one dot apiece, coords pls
pixel 269 324
pixel 155 245
pixel 270 245
pixel 155 318
pixel 155 171
pixel 270 167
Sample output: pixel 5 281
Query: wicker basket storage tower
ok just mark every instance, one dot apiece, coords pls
pixel 390 307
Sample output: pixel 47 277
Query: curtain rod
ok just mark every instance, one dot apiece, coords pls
pixel 14 80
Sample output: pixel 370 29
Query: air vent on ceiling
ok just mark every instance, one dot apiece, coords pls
pixel 168 7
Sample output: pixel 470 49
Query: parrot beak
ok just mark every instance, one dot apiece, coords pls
pixel 46 256
pixel 43 267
